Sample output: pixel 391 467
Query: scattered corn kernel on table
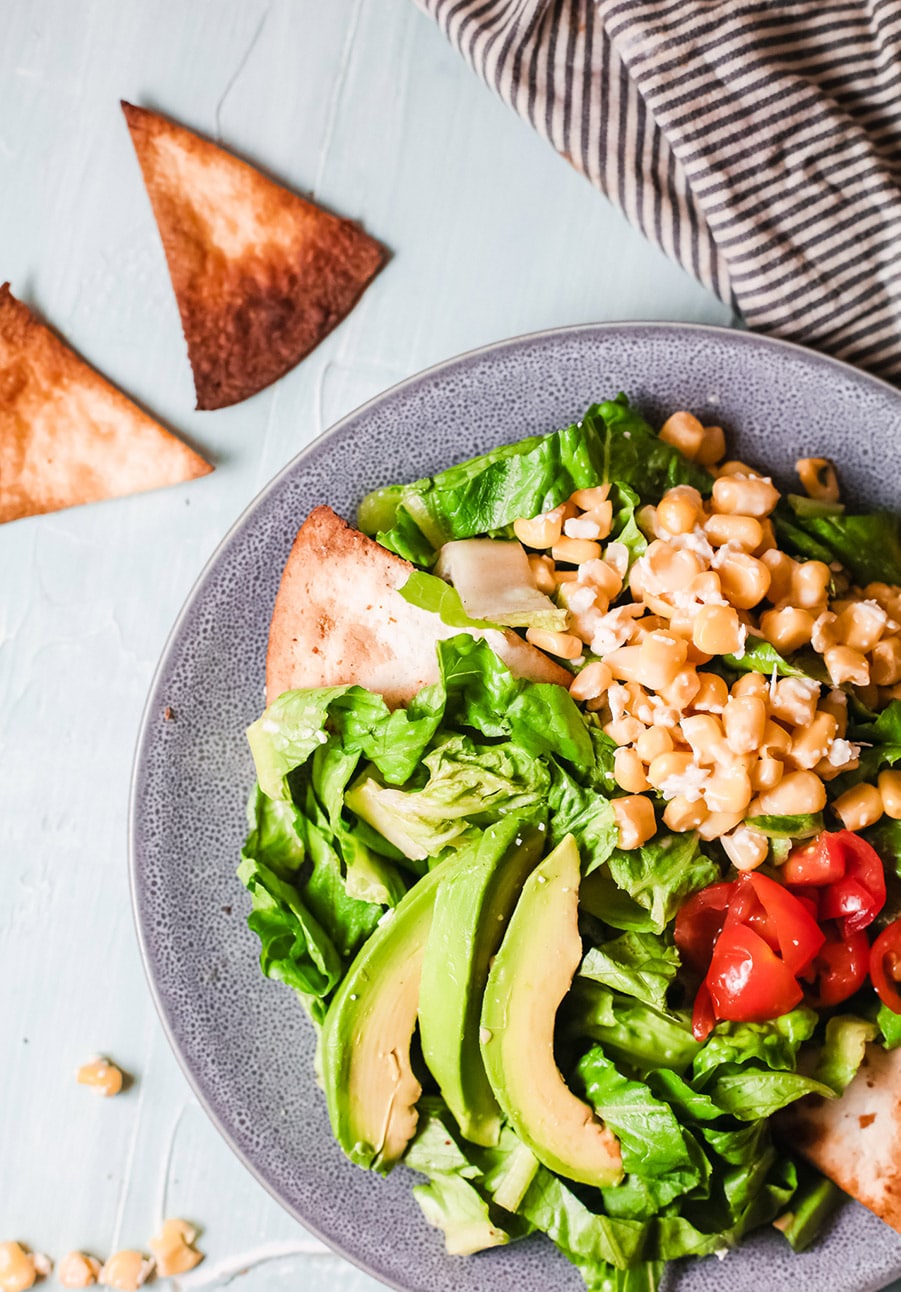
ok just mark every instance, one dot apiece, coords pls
pixel 364 105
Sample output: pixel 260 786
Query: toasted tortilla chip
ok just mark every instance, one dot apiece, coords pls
pixel 856 1140
pixel 339 619
pixel 260 274
pixel 66 435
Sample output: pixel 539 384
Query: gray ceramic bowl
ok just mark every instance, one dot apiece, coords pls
pixel 244 1042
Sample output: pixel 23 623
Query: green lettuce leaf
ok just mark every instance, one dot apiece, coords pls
pixel 637 1036
pixel 308 925
pixel 867 545
pixel 487 493
pixel 662 873
pixel 636 964
pixel 654 1145
pixel 842 1051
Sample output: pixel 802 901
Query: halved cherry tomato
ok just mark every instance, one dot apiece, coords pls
pixel 747 909
pixel 698 924
pixel 885 966
pixel 822 861
pixel 858 897
pixel 839 970
pixel 798 933
pixel 747 981
pixel 703 1019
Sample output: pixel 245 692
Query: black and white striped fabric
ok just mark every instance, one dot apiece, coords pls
pixel 757 143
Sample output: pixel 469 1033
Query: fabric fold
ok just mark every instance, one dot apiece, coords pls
pixel 757 144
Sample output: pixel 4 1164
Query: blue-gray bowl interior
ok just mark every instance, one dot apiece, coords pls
pixel 244 1042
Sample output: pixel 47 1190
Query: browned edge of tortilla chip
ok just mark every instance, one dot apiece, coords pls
pixel 291 271
pixel 67 436
pixel 339 618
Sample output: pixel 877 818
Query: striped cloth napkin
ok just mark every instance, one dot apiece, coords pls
pixel 757 143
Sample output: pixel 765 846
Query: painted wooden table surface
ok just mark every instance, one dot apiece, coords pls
pixel 363 104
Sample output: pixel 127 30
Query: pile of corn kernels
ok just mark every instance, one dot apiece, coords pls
pixel 712 578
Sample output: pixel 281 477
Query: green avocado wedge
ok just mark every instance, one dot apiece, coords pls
pixel 531 975
pixel 364 1049
pixel 472 908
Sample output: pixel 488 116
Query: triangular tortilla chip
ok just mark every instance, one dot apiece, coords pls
pixel 66 435
pixel 260 275
pixel 856 1140
pixel 339 619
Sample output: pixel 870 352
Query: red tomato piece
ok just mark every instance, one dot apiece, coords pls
pixel 747 981
pixel 822 861
pixel 703 1019
pixel 746 908
pixel 885 966
pixel 858 897
pixel 839 970
pixel 698 924
pixel 798 934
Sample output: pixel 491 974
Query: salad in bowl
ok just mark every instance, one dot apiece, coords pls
pixel 577 832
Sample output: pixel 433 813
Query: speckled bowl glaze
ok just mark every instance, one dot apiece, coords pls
pixel 244 1042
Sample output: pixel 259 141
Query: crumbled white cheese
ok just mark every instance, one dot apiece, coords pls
pixel 580 598
pixel 617 698
pixel 842 752
pixel 614 629
pixel 617 555
pixel 689 784
pixel 581 527
pixel 695 541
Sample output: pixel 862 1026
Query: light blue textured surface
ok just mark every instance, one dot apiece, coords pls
pixel 361 102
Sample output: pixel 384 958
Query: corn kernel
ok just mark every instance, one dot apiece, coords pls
pixel 624 731
pixel 174 1248
pixel 679 510
pixel 76 1270
pixel 592 681
pixel 744 532
pixel 745 719
pixel 859 807
pixel 101 1076
pixel 766 773
pixel 706 737
pixel 635 821
pixel 587 499
pixel 683 689
pixel 809 586
pixel 788 629
pixel 797 794
pixel 717 824
pixel 18 1270
pixel 628 771
pixel 126 1270
pixel 541 531
pixel 542 568
pixel 846 665
pixel 745 580
pixel 666 766
pixel 818 478
pixel 745 847
pixel 885 662
pixel 575 551
pixel 563 645
pixel 890 792
pixel 712 694
pixel 744 496
pixel 684 432
pixel 861 625
pixel 682 814
pixel 728 790
pixel 813 742
pixel 717 630
pixel 712 448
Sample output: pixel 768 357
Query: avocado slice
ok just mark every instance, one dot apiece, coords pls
pixel 531 975
pixel 471 913
pixel 364 1048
